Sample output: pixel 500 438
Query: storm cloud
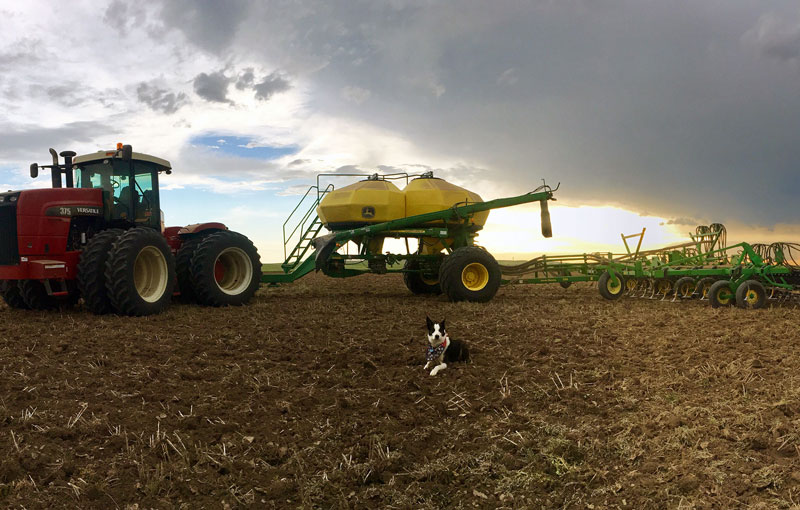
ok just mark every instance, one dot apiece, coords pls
pixel 160 99
pixel 212 87
pixel 649 105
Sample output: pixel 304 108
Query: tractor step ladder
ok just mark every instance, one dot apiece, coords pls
pixel 308 227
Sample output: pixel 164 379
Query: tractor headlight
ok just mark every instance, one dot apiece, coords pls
pixel 2 199
pixel 14 198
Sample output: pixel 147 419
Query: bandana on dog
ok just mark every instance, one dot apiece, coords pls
pixel 435 352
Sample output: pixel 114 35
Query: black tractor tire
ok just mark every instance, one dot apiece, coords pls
pixel 565 285
pixel 140 272
pixel 720 294
pixel 183 268
pixel 35 295
pixel 417 282
pixel 9 290
pixel 704 286
pixel 470 273
pixel 92 271
pixel 751 294
pixel 237 258
pixel 685 287
pixel 607 288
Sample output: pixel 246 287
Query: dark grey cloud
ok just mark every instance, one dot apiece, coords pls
pixel 30 143
pixel 212 87
pixel 210 24
pixel 245 79
pixel 656 106
pixel 271 85
pixel 160 99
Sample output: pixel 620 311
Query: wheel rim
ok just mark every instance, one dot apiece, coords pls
pixel 686 289
pixel 475 276
pixel 631 284
pixel 429 280
pixel 663 287
pixel 150 274
pixel 751 297
pixel 612 287
pixel 704 290
pixel 233 271
pixel 724 296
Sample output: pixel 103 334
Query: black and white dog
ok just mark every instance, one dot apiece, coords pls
pixel 442 348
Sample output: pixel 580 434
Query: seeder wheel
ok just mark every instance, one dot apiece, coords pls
pixel 720 294
pixel 751 294
pixel 608 288
pixel 684 287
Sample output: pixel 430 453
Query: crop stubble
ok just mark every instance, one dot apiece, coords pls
pixel 314 396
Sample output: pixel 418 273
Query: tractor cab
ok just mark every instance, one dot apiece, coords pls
pixel 129 183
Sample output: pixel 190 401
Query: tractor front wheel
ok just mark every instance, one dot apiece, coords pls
pixel 751 294
pixel 140 272
pixel 226 269
pixel 470 274
pixel 608 289
pixel 720 294
pixel 9 290
pixel 419 282
pixel 92 271
pixel 35 295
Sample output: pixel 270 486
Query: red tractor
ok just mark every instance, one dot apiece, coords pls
pixel 101 237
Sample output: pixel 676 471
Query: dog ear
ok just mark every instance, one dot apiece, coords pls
pixel 443 327
pixel 429 322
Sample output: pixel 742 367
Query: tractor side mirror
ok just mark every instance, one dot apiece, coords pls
pixel 34 170
pixel 127 153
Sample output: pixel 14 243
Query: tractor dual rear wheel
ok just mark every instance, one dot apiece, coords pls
pixel 418 282
pixel 183 267
pixel 140 272
pixel 225 270
pixel 10 292
pixel 470 273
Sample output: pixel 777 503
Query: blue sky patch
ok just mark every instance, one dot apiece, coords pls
pixel 242 147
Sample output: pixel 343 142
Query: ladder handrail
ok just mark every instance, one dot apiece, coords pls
pixel 306 216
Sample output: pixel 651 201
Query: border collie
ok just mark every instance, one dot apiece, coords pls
pixel 442 348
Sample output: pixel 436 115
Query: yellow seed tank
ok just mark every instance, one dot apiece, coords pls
pixel 375 201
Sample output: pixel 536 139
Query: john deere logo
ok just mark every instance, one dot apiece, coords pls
pixel 368 212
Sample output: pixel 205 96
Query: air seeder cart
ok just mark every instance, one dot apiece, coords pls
pixel 446 258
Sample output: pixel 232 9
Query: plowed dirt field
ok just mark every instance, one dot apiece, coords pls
pixel 314 396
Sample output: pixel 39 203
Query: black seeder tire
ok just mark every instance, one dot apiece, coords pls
pixel 140 272
pixel 92 271
pixel 685 287
pixel 418 283
pixel 607 288
pixel 9 290
pixel 34 293
pixel 226 269
pixel 470 274
pixel 751 294
pixel 183 268
pixel 704 286
pixel 720 294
